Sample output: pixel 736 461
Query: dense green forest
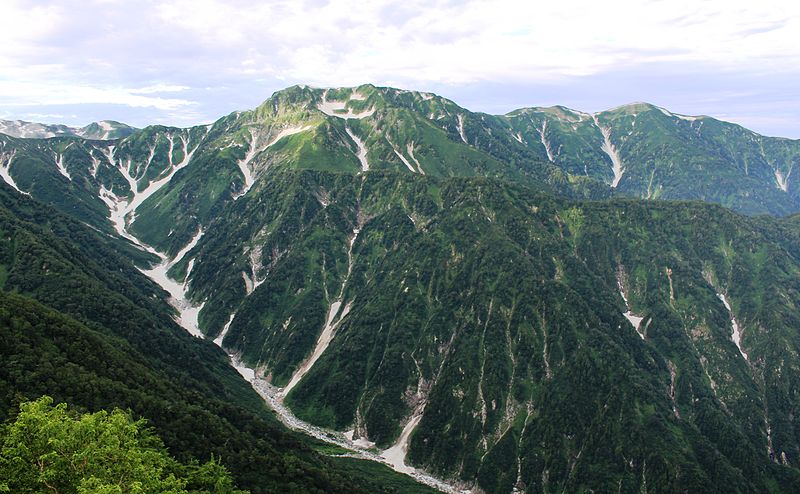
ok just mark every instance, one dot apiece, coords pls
pixel 498 307
pixel 511 302
pixel 79 323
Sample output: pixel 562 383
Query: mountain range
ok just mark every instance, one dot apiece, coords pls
pixel 541 301
pixel 102 130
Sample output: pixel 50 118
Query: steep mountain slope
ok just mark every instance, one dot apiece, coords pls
pixel 643 150
pixel 513 337
pixel 151 178
pixel 639 149
pixel 427 281
pixel 103 130
pixel 105 339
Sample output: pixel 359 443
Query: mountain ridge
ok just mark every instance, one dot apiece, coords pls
pixel 11 125
pixel 667 156
pixel 100 130
pixel 486 298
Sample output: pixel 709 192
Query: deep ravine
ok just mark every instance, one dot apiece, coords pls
pixel 188 313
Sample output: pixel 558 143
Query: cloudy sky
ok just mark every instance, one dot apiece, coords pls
pixel 184 62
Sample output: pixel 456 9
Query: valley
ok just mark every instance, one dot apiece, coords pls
pixel 534 302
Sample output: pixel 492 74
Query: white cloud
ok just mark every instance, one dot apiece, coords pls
pixel 159 88
pixel 41 117
pixel 23 25
pixel 20 93
pixel 419 41
pixel 346 42
pixel 136 53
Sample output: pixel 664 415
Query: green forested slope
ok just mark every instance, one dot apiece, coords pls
pixel 444 276
pixel 105 338
pixel 407 132
pixel 182 178
pixel 498 310
pixel 668 156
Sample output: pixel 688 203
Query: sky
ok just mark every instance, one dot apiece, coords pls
pixel 186 62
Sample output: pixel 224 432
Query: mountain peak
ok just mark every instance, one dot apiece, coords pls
pixel 636 107
pixel 642 107
pixel 105 130
pixel 557 111
pixel 353 102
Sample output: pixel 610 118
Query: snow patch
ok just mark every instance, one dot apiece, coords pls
pixel 337 108
pixel 151 156
pixel 171 148
pixel 636 321
pixel 781 181
pixel 288 131
pixel 362 150
pixel 244 163
pixel 95 166
pixel 736 332
pixel 608 147
pixel 581 115
pixel 665 111
pixel 191 245
pixel 189 268
pixel 254 150
pixel 395 455
pixel 461 128
pixel 61 168
pixel 107 127
pixel 225 329
pixel 545 142
pixel 188 313
pixel 410 149
pixel 332 321
pixel 120 208
pixel 5 168
pixel 402 158
pixel 325 338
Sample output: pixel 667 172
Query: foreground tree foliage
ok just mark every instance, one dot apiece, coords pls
pixel 52 449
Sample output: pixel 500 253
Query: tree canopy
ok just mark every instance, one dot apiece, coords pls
pixel 50 448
